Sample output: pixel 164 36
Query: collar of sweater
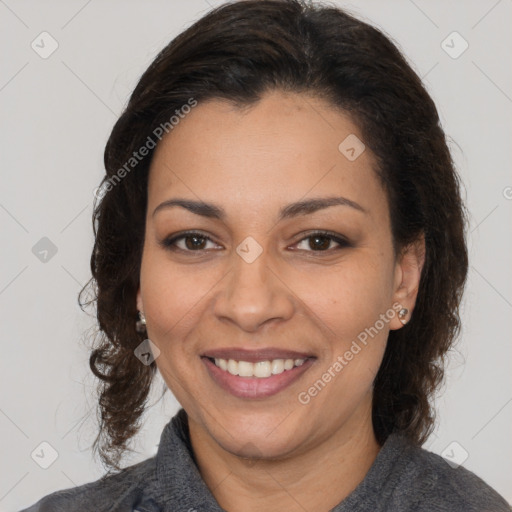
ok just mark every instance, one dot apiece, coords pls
pixel 181 487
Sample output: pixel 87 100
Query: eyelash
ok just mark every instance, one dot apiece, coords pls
pixel 170 243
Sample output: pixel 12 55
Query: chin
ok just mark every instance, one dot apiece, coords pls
pixel 256 435
pixel 258 448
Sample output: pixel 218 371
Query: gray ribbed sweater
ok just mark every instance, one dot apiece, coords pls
pixel 402 478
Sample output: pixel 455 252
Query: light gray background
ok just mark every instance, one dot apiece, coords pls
pixel 56 116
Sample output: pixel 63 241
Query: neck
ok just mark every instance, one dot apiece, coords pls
pixel 315 480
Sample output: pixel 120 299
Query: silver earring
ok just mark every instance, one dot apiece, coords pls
pixel 140 324
pixel 402 315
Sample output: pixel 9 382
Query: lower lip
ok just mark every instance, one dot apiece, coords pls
pixel 253 387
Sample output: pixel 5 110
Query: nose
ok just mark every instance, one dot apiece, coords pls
pixel 254 294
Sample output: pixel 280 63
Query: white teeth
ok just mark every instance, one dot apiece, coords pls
pixel 277 366
pixel 289 364
pixel 260 369
pixel 245 369
pixel 233 367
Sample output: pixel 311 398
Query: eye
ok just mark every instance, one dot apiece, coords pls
pixel 321 241
pixel 191 241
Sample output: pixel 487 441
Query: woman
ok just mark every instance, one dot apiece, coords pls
pixel 280 233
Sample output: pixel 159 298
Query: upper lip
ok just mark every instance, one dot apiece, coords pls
pixel 253 356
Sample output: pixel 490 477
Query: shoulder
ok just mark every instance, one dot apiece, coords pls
pixel 119 491
pixel 440 486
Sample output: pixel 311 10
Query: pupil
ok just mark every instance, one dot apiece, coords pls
pixel 194 242
pixel 316 245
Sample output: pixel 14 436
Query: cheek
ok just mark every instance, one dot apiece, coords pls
pixel 347 306
pixel 349 298
pixel 172 302
pixel 173 297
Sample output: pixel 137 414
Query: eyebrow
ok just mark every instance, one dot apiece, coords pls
pixel 292 210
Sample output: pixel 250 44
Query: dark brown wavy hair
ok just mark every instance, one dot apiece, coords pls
pixel 237 52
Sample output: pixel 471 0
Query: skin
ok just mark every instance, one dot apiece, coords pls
pixel 275 453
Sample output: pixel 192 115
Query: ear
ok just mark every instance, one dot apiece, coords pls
pixel 140 307
pixel 407 279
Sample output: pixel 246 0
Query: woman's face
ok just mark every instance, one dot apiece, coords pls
pixel 256 282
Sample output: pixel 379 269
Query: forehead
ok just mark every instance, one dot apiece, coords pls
pixel 284 147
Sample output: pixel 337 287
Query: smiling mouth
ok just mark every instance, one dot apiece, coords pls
pixel 256 380
pixel 259 369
